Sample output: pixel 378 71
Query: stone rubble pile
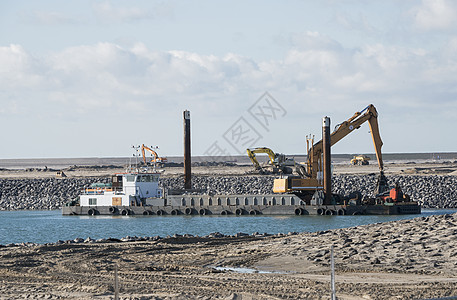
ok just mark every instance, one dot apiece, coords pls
pixel 18 194
pixel 43 193
pixel 213 235
pixel 437 191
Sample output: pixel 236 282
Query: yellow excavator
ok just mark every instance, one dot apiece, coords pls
pixel 361 160
pixel 311 179
pixel 155 159
pixel 278 162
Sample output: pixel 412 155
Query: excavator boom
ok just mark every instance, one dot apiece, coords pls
pixel 368 114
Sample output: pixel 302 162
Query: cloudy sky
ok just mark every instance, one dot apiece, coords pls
pixel 92 78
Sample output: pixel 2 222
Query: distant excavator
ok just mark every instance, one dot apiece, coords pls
pixel 278 162
pixel 155 159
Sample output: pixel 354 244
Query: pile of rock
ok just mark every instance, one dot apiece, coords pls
pixel 43 193
pixel 430 191
pixel 46 193
pixel 223 185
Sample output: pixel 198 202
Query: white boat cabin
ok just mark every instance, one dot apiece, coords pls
pixel 125 189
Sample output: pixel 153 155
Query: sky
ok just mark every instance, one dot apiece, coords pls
pixel 94 78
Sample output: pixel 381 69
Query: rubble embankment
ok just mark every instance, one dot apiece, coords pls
pixel 437 191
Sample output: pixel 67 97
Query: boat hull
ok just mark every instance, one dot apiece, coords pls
pixel 232 205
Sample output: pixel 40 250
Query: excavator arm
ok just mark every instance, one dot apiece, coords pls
pixel 341 130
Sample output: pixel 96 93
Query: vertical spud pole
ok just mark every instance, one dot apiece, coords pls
pixel 187 157
pixel 327 161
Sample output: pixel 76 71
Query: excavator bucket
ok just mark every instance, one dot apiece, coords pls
pixel 382 185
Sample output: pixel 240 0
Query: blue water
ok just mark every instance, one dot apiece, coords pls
pixel 50 226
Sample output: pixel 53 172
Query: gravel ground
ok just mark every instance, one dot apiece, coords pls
pixel 407 259
pixel 434 191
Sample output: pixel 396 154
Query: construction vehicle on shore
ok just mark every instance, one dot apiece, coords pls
pixel 311 174
pixel 277 163
pixel 155 159
pixel 361 160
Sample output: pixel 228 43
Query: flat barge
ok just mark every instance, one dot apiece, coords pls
pixel 138 193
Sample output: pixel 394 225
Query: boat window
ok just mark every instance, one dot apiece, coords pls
pixel 92 201
pixel 130 178
pixel 147 178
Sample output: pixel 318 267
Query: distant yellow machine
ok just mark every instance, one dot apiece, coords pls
pixel 360 160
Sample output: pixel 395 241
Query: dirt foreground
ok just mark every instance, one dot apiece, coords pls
pixel 409 259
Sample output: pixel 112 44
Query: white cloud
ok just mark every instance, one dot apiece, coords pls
pixel 107 12
pixel 51 18
pixel 107 82
pixel 359 23
pixel 106 75
pixel 435 15
pixel 19 69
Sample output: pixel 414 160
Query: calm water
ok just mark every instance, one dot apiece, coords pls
pixel 50 226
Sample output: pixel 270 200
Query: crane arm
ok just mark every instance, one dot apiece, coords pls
pixel 368 114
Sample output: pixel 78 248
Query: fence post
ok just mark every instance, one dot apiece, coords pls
pixel 332 279
pixel 116 284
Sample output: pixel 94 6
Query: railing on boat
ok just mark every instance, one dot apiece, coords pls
pixel 99 191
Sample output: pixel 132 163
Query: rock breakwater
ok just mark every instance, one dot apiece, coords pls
pixel 16 194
